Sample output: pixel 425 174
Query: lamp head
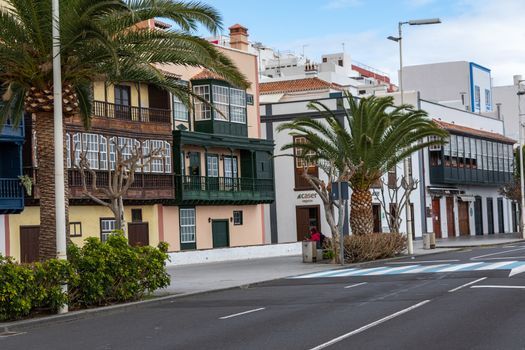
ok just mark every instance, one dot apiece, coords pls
pixel 394 38
pixel 419 22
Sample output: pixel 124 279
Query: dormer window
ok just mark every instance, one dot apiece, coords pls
pixel 202 110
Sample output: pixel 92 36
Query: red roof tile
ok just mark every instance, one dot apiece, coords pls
pixel 206 74
pixel 476 132
pixel 306 84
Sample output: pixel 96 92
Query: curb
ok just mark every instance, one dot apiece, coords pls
pixel 481 245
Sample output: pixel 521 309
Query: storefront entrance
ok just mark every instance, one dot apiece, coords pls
pixel 306 217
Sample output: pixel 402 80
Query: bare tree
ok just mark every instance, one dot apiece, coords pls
pixel 120 178
pixel 324 191
pixel 408 185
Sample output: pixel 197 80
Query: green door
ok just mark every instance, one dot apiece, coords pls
pixel 194 180
pixel 221 237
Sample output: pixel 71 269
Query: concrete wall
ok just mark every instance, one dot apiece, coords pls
pixel 3 235
pixel 231 254
pixel 506 95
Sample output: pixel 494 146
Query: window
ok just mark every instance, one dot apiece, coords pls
pixel 202 110
pixel 122 95
pixel 230 171
pixel 182 164
pixel 180 111
pixel 484 154
pixel 249 99
pixel 76 147
pixel 145 151
pixel 157 162
pixel 103 153
pixel 479 154
pixel 237 217
pixel 68 151
pixel 477 98
pixel 489 153
pixel 221 102
pixel 454 150
pixel 112 152
pixel 213 166
pixel 488 100
pixel 461 150
pixel 75 229
pixel 238 105
pixel 300 162
pixel 125 144
pixel 90 145
pixel 136 215
pixel 167 157
pixel 107 226
pixel 187 225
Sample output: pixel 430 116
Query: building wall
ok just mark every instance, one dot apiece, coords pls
pixel 3 242
pixel 89 216
pixel 506 96
pixel 251 232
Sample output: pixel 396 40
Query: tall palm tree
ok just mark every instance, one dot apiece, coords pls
pixel 100 40
pixel 373 136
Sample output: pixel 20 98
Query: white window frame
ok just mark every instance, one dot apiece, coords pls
pixel 301 162
pixel 126 143
pixel 68 150
pixel 77 147
pixel 237 106
pixel 180 110
pixel 107 226
pixel 221 102
pixel 112 152
pixel 187 223
pixel 167 157
pixel 157 162
pixel 90 145
pixel 103 162
pixel 202 110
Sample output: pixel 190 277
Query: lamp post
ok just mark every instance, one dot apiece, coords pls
pixel 60 215
pixel 522 180
pixel 407 161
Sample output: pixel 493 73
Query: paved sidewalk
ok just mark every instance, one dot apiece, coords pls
pixel 479 241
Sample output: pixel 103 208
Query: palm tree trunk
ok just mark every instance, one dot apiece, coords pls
pixel 361 216
pixel 46 185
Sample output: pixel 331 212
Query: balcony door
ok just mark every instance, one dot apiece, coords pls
pixel 212 172
pixel 451 227
pixel 194 180
pixel 490 215
pixel 436 216
pixel 230 173
pixel 478 216
pixel 122 102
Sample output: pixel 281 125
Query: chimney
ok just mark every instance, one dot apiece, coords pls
pixel 239 37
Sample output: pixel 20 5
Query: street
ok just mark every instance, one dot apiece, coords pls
pixel 454 300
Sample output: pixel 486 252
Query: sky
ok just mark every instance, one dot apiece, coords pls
pixel 488 32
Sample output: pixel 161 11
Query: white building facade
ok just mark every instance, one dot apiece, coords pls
pixel 458 184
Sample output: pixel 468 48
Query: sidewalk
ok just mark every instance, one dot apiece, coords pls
pixel 479 241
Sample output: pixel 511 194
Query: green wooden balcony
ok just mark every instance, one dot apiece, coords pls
pixel 203 190
pixel 11 196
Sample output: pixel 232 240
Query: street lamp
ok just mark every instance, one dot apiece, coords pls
pixel 522 180
pixel 60 215
pixel 406 162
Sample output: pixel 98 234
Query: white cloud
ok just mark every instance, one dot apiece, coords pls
pixel 419 3
pixel 487 32
pixel 339 4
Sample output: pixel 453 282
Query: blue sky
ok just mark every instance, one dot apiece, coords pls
pixel 488 32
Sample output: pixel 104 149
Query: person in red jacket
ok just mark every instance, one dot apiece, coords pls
pixel 315 236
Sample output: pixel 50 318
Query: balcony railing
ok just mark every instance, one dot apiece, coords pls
pixel 11 196
pixel 194 189
pixel 131 113
pixel 11 188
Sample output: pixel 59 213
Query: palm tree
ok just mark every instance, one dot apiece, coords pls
pixel 100 40
pixel 377 136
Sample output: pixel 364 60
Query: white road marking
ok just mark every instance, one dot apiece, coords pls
pixel 241 313
pixel 459 267
pixel 370 325
pixel 494 265
pixel 497 253
pixel 390 270
pixel 420 261
pixel 517 270
pixel 424 268
pixel 506 258
pixel 496 286
pixel 355 285
pixel 467 284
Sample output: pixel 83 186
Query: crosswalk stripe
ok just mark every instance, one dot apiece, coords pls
pixel 459 267
pixel 368 271
pixel 495 266
pixel 394 270
pixel 323 274
pixel 427 268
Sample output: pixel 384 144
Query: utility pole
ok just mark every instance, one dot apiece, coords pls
pixel 60 208
pixel 518 81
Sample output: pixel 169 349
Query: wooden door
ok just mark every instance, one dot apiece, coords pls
pixel 464 224
pixel 478 216
pixel 138 234
pixel 490 216
pixel 221 237
pixel 29 243
pixel 451 227
pixel 514 217
pixel 302 216
pixel 436 217
pixel 376 210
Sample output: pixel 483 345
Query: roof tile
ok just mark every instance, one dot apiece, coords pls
pixel 471 131
pixel 306 84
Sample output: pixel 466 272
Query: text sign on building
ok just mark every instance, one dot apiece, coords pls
pixel 307 197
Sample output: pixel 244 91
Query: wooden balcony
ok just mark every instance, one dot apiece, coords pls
pixel 193 190
pixel 131 113
pixel 11 196
pixel 146 188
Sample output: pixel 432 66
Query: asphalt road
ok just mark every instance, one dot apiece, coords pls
pixel 468 309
